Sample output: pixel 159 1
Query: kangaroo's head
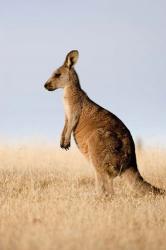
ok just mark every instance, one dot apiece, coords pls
pixel 64 75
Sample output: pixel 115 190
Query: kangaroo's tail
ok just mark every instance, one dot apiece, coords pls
pixel 138 184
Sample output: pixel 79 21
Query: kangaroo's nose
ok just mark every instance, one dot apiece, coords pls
pixel 46 85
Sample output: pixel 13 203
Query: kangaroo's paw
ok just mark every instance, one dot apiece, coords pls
pixel 65 144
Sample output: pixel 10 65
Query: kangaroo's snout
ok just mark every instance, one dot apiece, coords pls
pixel 49 86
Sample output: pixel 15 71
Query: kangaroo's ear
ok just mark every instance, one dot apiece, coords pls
pixel 71 58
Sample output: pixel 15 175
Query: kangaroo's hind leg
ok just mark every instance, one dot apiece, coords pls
pixel 103 182
pixel 100 157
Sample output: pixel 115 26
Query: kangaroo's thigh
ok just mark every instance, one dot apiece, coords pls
pixel 100 154
pixel 100 158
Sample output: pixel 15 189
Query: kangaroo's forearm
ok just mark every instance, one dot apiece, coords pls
pixel 70 126
pixel 67 131
pixel 65 128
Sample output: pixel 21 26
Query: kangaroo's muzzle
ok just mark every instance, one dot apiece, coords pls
pixel 49 87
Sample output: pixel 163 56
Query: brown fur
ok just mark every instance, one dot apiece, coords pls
pixel 101 136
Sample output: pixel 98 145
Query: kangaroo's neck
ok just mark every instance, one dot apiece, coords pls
pixel 73 89
pixel 73 95
pixel 74 79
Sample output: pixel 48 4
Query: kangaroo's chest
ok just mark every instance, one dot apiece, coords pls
pixel 67 107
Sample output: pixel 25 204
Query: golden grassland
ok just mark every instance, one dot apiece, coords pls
pixel 48 201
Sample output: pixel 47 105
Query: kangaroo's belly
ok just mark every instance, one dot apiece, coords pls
pixel 81 139
pixel 82 146
pixel 82 133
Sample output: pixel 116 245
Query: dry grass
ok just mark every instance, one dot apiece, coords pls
pixel 47 201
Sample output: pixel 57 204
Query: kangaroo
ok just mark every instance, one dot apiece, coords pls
pixel 100 135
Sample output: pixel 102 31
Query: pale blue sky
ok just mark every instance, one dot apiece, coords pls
pixel 122 64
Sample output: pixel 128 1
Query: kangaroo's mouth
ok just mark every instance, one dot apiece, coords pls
pixel 50 89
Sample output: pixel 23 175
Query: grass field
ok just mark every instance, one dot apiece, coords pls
pixel 47 201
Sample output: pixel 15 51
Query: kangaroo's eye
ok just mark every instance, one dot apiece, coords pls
pixel 57 74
